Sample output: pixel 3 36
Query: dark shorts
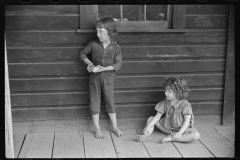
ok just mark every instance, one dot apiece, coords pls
pixel 101 84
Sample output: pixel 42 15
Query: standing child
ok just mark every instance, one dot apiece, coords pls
pixel 177 120
pixel 106 60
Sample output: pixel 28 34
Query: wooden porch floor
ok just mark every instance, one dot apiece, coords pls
pixel 215 141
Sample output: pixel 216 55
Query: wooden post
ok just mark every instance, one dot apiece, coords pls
pixel 229 92
pixel 8 113
pixel 88 16
pixel 179 16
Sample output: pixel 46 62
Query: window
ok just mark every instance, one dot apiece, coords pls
pixel 136 17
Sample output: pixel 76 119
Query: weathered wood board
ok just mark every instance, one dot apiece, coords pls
pixel 228 132
pixel 43 8
pixel 70 36
pixel 72 144
pixel 193 149
pixel 25 146
pixel 212 21
pixel 127 145
pixel 123 110
pixel 22 127
pixel 98 148
pixel 160 150
pixel 68 145
pixel 229 92
pixel 44 20
pixel 136 67
pixel 85 124
pixel 131 96
pixel 207 9
pixel 69 52
pixel 121 82
pixel 215 142
pixel 18 140
pixel 40 146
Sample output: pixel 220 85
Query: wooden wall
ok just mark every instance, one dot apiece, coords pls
pixel 47 81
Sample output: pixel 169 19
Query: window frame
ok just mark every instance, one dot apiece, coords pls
pixel 89 15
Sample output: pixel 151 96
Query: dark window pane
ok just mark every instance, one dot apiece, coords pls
pixel 112 11
pixel 156 12
pixel 133 12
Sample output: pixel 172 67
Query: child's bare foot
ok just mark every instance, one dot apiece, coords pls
pixel 144 138
pixel 98 134
pixel 118 132
pixel 167 139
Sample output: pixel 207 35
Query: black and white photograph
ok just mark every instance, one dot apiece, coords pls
pixel 119 80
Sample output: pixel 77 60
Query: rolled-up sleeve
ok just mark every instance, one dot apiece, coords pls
pixel 118 59
pixel 87 50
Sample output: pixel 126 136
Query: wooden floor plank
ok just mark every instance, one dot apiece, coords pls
pixel 25 145
pixel 227 131
pixel 127 145
pixel 98 148
pixel 193 149
pixel 68 145
pixel 22 127
pixel 215 142
pixel 40 146
pixel 18 140
pixel 157 149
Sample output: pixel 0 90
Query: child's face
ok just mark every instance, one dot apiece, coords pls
pixel 169 93
pixel 102 34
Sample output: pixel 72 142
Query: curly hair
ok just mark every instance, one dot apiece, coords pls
pixel 178 85
pixel 109 24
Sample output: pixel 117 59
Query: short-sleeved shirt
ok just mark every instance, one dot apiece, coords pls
pixel 173 116
pixel 110 56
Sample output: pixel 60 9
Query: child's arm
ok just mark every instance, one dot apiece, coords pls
pixel 183 128
pixel 155 119
pixel 101 69
pixel 83 56
pixel 89 63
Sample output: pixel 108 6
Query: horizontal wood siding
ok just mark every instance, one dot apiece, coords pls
pixel 207 16
pixel 42 16
pixel 69 53
pixel 48 82
pixel 121 82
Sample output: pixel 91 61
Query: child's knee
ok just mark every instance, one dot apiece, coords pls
pixel 149 119
pixel 94 110
pixel 196 135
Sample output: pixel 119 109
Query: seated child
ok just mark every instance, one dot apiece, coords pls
pixel 174 115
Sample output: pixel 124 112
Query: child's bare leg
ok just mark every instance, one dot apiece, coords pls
pixel 98 133
pixel 113 119
pixel 152 128
pixel 191 134
pixel 161 128
pixel 164 130
pixel 146 137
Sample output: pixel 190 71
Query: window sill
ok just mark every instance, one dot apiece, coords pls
pixel 139 30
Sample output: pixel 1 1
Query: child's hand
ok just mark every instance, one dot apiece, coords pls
pixel 101 69
pixel 176 136
pixel 90 67
pixel 145 130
